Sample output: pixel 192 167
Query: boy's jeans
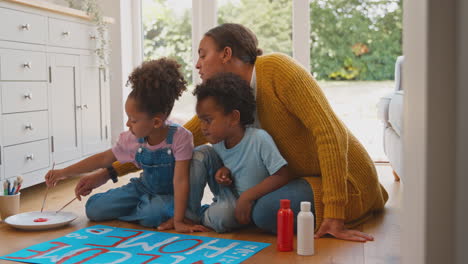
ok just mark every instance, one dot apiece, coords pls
pixel 220 214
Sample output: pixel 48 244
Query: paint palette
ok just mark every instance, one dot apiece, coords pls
pixel 40 221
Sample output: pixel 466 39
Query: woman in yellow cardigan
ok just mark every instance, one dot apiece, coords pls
pixel 292 108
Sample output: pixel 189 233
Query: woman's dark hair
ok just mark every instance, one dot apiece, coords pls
pixel 156 84
pixel 240 39
pixel 231 93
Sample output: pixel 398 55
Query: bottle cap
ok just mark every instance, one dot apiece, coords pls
pixel 285 203
pixel 305 206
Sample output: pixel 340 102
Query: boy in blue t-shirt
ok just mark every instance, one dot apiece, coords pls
pixel 243 163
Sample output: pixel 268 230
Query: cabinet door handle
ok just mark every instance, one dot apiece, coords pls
pixel 27 65
pixel 30 157
pixel 28 96
pixel 25 27
pixel 85 106
pixel 79 107
pixel 28 126
pixel 66 33
pixel 92 37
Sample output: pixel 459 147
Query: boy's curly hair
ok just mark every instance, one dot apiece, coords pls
pixel 231 92
pixel 156 84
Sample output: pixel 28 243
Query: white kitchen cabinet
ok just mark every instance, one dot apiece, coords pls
pixel 54 96
pixel 93 107
pixel 65 101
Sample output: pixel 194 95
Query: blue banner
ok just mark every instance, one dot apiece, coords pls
pixel 110 245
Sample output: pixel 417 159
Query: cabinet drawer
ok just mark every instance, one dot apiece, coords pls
pixel 26 157
pixel 70 34
pixel 20 65
pixel 23 97
pixel 23 27
pixel 24 127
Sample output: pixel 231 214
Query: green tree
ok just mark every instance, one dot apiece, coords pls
pixel 167 34
pixel 270 20
pixel 355 39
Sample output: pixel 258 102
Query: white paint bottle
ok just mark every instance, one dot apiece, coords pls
pixel 305 230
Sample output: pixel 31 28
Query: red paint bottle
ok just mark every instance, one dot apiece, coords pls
pixel 285 225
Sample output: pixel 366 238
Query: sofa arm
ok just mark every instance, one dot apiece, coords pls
pixel 395 112
pixel 383 107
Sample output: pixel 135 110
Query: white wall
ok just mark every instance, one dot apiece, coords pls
pixel 414 145
pixel 461 206
pixel 122 59
pixel 435 145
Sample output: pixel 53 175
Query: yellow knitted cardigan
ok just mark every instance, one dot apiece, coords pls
pixel 293 109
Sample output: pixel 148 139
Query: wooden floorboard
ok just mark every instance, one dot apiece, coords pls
pixel 385 227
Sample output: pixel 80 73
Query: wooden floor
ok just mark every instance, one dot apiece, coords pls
pixel 385 227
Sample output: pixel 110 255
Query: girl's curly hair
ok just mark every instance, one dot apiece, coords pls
pixel 231 93
pixel 156 84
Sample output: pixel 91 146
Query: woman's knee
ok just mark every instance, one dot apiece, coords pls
pixel 266 207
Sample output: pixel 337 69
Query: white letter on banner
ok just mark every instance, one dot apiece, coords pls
pixel 220 250
pixel 126 256
pixel 178 259
pixel 145 245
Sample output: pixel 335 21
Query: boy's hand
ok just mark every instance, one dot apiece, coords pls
pixel 90 182
pixel 187 226
pixel 53 176
pixel 243 210
pixel 223 176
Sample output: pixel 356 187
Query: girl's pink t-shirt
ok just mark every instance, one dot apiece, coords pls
pixel 127 146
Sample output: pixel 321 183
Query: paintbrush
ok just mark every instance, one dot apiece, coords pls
pixel 20 181
pixel 66 205
pixel 47 190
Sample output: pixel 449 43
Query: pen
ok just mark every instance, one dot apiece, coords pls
pixel 5 188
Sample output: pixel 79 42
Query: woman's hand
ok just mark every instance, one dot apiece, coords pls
pixel 243 210
pixel 54 176
pixel 336 228
pixel 90 182
pixel 223 176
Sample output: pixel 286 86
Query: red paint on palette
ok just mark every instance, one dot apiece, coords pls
pixel 41 220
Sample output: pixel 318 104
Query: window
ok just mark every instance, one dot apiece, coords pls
pixel 271 21
pixel 167 32
pixel 354 46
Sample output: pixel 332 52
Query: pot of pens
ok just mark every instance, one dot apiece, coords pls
pixel 10 197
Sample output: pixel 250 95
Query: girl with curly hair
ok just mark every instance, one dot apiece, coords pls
pixel 162 149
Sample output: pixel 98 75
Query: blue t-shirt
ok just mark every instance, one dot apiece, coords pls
pixel 253 159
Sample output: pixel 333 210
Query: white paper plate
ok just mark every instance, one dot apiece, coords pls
pixel 26 220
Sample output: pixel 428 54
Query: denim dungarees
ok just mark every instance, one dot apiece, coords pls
pixel 148 199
